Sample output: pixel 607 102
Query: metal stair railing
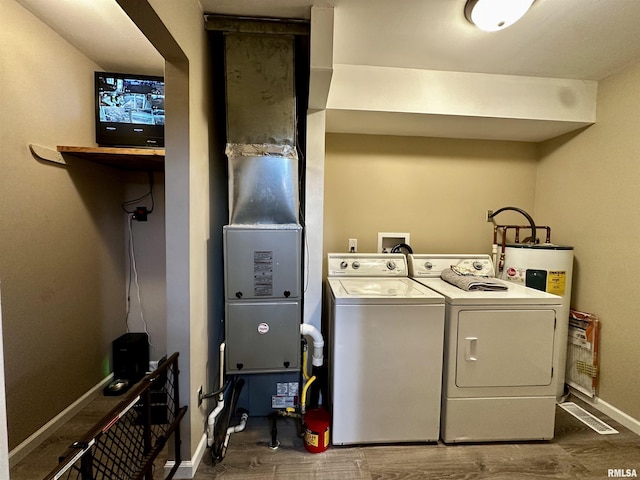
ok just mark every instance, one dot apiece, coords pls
pixel 125 443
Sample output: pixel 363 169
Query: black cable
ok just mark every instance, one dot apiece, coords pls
pixel 522 212
pixel 217 392
pixel 128 203
pixel 130 254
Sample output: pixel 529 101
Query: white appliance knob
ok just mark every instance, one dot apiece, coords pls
pixel 477 265
pixel 356 265
pixel 343 264
pixel 391 265
pixel 428 265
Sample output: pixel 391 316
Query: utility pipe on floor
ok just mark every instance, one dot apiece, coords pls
pixel 235 429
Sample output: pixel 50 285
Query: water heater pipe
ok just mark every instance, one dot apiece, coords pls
pixel 318 343
pixel 499 265
pixel 522 212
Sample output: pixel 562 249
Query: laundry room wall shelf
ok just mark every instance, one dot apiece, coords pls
pixel 124 158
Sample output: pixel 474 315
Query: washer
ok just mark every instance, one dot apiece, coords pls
pixel 498 381
pixel 386 337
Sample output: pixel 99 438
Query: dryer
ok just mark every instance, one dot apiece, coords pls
pixel 498 378
pixel 385 349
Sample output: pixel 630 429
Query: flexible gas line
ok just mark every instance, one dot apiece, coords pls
pixel 304 363
pixel 303 398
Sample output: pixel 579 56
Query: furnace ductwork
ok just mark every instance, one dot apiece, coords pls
pixel 263 184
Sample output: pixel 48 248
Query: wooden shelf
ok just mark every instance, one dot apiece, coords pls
pixel 125 158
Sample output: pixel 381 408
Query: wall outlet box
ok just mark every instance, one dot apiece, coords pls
pixel 388 240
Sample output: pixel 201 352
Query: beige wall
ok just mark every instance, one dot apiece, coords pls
pixel 150 249
pixel 82 206
pixel 588 190
pixel 191 220
pixel 61 229
pixel 436 189
pixel 584 185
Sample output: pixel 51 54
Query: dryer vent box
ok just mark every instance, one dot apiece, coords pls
pixel 388 240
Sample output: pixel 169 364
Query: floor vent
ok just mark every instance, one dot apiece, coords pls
pixel 588 419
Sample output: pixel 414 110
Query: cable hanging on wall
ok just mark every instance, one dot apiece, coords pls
pixel 140 214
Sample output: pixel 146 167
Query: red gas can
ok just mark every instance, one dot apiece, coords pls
pixel 316 430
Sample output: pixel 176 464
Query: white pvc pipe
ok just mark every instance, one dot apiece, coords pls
pixel 318 342
pixel 222 347
pixel 211 420
pixel 238 428
pixel 494 258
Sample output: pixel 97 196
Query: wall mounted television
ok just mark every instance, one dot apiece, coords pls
pixel 129 110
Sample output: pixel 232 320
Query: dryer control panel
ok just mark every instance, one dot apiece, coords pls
pixel 366 265
pixel 432 265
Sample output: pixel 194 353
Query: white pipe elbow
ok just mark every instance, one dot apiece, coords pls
pixel 318 343
pixel 241 426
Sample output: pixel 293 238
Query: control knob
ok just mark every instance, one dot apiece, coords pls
pixel 428 265
pixel 391 265
pixel 355 265
pixel 344 264
pixel 477 265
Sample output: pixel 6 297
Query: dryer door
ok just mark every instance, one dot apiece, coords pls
pixel 504 348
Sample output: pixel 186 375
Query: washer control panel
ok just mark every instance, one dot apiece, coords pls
pixel 367 265
pixel 432 265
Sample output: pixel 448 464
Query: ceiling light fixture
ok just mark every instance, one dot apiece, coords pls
pixel 494 15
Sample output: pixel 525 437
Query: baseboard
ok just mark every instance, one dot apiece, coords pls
pixel 612 412
pixel 36 439
pixel 188 468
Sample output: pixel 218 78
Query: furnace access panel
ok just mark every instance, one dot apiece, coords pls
pixel 262 263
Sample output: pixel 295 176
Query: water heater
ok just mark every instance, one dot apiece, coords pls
pixel 549 268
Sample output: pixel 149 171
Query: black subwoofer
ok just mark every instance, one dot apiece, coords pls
pixel 130 362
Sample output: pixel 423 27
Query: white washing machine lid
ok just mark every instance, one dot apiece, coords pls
pixel 515 295
pixel 362 290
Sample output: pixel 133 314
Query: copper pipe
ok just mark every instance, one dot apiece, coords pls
pixel 517 230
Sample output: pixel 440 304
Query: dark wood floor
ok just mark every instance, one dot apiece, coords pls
pixel 576 452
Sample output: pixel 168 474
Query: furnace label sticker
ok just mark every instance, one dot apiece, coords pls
pixel 263 273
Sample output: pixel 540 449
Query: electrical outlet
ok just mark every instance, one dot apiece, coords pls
pixel 200 390
pixel 489 213
pixel 353 245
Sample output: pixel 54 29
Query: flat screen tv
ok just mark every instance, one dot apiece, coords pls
pixel 129 110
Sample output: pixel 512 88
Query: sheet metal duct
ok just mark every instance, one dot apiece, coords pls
pixel 263 241
pixel 263 184
pixel 260 83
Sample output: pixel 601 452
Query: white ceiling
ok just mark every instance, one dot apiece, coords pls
pixel 102 31
pixel 570 39
pixel 578 39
